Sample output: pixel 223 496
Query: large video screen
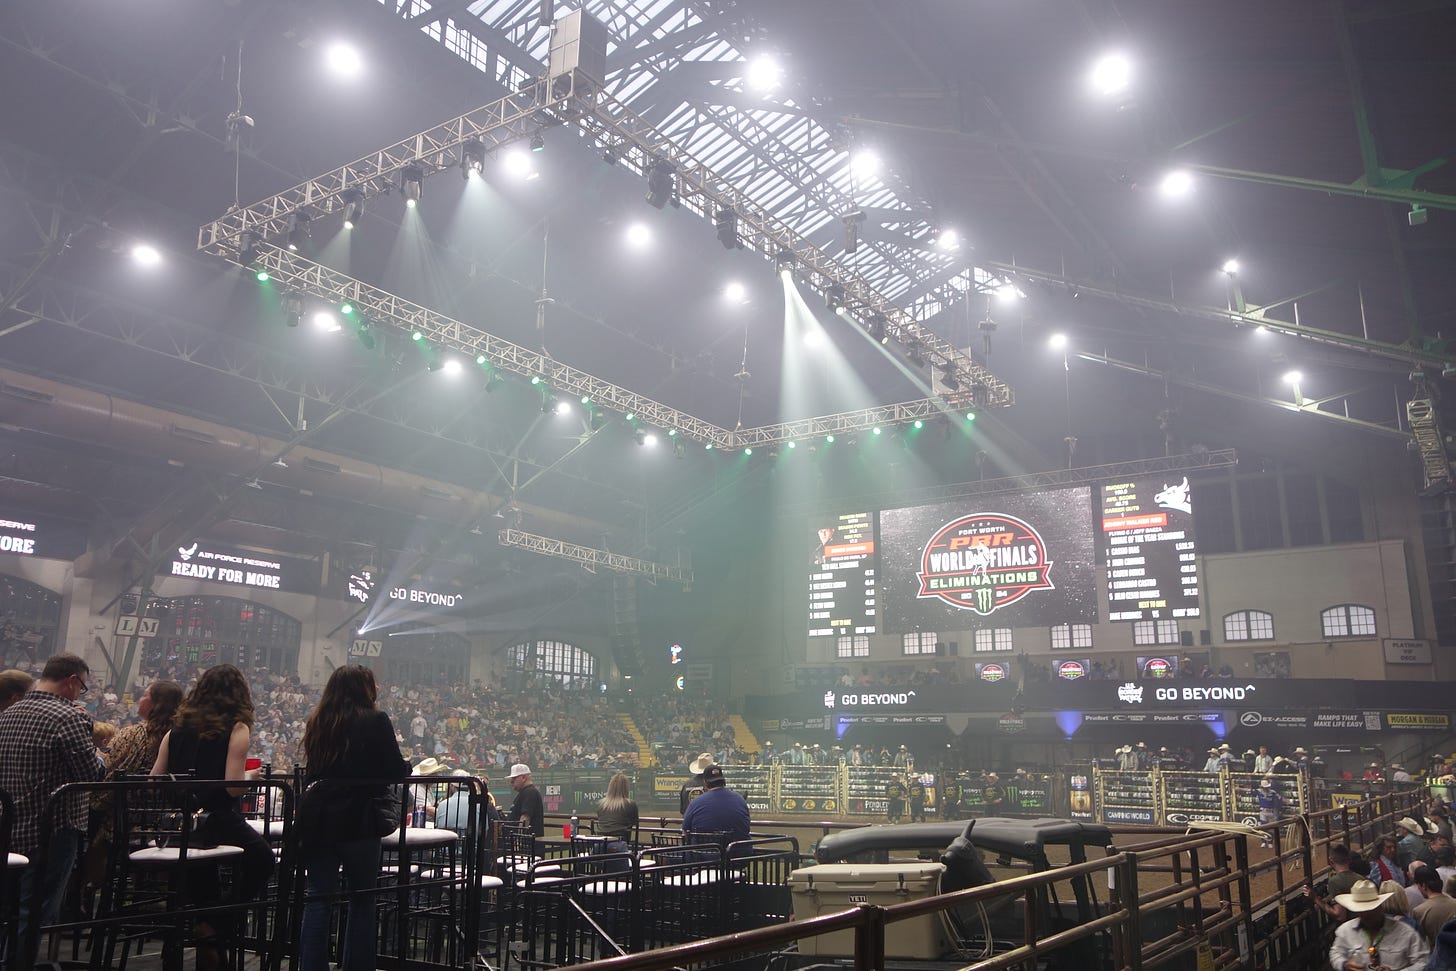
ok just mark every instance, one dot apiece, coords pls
pixel 842 576
pixel 1006 561
pixel 1150 550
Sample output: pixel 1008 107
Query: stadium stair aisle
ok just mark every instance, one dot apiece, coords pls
pixel 644 751
pixel 743 736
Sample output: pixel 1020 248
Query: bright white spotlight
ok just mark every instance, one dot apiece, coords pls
pixel 763 74
pixel 145 254
pixel 327 322
pixel 1008 292
pixel 864 163
pixel 1111 74
pixel 1057 342
pixel 452 366
pixel 638 235
pixel 343 60
pixel 735 292
pixel 649 439
pixel 517 162
pixel 1231 267
pixel 1176 184
pixel 814 338
pixel 563 407
pixel 1293 377
pixel 947 240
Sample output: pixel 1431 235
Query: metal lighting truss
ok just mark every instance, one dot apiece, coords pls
pixel 590 557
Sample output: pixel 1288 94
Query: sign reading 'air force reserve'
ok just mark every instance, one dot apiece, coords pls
pixel 244 568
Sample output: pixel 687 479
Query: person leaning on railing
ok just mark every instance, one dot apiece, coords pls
pixel 1340 882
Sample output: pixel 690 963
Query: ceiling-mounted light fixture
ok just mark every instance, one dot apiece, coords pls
pixel 412 183
pixel 353 200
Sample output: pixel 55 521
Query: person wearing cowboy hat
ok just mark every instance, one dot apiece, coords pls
pixel 425 794
pixel 1372 940
pixel 1127 760
pixel 693 788
pixel 1271 807
pixel 1213 763
pixel 1399 774
pixel 1412 845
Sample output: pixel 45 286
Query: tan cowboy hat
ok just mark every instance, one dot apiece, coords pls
pixel 1410 825
pixel 1363 896
pixel 431 766
pixel 697 765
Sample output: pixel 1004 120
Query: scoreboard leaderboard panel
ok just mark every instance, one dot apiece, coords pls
pixel 1150 549
pixel 1009 560
pixel 843 577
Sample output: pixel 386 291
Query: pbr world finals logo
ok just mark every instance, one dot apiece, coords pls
pixel 983 562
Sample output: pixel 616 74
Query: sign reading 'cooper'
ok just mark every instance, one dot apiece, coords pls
pixel 983 562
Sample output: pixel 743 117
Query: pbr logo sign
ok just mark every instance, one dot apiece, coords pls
pixel 1071 670
pixel 983 562
pixel 992 672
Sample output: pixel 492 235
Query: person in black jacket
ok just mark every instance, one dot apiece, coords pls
pixel 527 806
pixel 346 739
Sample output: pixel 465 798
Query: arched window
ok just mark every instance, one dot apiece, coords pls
pixel 1248 625
pixel 29 617
pixel 198 632
pixel 416 654
pixel 554 661
pixel 1347 620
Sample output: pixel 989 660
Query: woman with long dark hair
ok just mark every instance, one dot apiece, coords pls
pixel 346 739
pixel 210 736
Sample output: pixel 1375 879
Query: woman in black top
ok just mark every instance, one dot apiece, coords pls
pixel 346 739
pixel 617 813
pixel 209 738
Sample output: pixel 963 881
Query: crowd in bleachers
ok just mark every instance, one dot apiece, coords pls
pixel 680 727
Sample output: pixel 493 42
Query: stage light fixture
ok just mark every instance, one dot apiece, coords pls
pixel 784 263
pixel 247 247
pixel 346 307
pixel 638 235
pixel 563 407
pixel 1293 377
pixel 725 224
pixel 834 297
pixel 970 416
pixel 950 379
pixel 586 399
pixel 1008 292
pixel 472 158
pixel 876 430
pixel 708 447
pixel 734 292
pixel 292 309
pixel 1231 266
pixel 661 178
pixel 298 230
pixel 763 74
pixel 916 353
pixel 417 336
pixel 480 359
pixel 919 423
pixel 453 366
pixel 1176 184
pixel 1057 342
pixel 864 163
pixel 343 60
pixel 493 382
pixel 327 322
pixel 353 200
pixel 640 436
pixel 548 402
pixel 262 276
pixel 145 254
pixel 412 183
pixel 366 335
pixel 747 450
pixel 1111 74
pixel 433 362
pixel 538 142
pixel 679 448
pixel 829 439
pixel 518 163
pixel 876 327
pixel 792 444
pixel 947 239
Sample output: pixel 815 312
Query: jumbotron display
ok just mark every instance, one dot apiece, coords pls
pixel 842 594
pixel 1005 561
pixel 1150 550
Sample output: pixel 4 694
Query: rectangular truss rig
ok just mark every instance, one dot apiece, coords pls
pixel 634 143
pixel 591 557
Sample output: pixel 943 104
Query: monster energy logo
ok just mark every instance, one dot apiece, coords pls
pixel 985 599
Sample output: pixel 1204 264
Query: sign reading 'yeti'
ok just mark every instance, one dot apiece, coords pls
pixel 1018 560
pixel 1150 549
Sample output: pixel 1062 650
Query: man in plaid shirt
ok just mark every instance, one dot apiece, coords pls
pixel 45 742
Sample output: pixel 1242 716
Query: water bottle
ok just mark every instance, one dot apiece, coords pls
pixel 571 827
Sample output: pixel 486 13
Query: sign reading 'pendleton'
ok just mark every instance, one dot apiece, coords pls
pixel 244 568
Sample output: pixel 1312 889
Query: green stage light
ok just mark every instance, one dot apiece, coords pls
pixel 346 308
pixel 829 439
pixel 708 447
pixel 586 399
pixel 480 359
pixel 919 423
pixel 417 336
pixel 631 415
pixel 793 445
pixel 262 276
pixel 535 379
pixel 970 416
pixel 747 450
pixel 672 433
pixel 876 430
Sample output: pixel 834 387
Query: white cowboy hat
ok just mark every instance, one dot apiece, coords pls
pixel 1363 896
pixel 697 765
pixel 431 766
pixel 1410 825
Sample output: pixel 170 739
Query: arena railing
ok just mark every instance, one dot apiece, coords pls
pixel 1172 898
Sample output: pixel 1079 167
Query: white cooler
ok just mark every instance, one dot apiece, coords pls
pixel 833 887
